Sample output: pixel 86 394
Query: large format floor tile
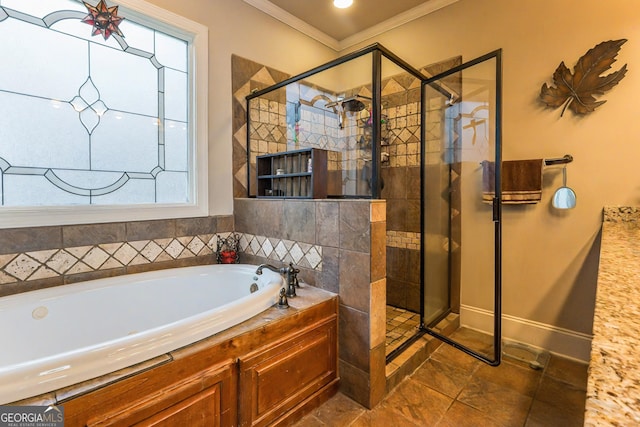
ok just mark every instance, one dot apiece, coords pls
pixel 454 389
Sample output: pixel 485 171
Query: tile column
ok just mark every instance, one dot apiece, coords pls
pixel 362 271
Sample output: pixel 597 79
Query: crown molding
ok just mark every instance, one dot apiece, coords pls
pixel 339 45
pixel 394 22
pixel 294 22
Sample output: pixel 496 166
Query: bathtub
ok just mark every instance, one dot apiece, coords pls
pixel 56 337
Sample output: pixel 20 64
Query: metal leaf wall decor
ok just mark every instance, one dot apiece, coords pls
pixel 576 90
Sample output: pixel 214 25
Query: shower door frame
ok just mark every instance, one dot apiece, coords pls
pixel 496 216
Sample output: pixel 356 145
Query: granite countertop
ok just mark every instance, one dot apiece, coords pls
pixel 613 389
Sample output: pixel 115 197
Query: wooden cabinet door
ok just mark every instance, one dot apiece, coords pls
pixel 275 380
pixel 166 397
pixel 200 410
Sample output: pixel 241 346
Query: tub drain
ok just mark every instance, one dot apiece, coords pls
pixel 253 288
pixel 40 313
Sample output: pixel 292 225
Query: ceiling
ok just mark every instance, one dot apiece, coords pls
pixel 342 28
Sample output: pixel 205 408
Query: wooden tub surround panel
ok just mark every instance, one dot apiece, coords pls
pixel 269 373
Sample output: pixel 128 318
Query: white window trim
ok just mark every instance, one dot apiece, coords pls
pixel 171 23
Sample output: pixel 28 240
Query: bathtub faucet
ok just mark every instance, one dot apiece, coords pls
pixel 290 272
pixel 270 267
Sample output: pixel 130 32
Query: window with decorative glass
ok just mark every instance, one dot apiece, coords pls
pixel 100 118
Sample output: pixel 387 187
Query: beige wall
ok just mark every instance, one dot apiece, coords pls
pixel 550 262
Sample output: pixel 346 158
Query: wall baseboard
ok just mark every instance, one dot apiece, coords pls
pixel 563 342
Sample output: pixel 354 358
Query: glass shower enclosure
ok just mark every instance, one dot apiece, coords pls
pixel 369 125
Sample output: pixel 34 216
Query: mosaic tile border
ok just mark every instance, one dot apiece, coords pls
pixel 45 264
pixel 303 255
pixel 403 239
pixel 36 265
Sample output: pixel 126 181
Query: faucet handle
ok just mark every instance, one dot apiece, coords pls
pixel 282 301
pixel 292 279
pixel 294 275
pixel 292 269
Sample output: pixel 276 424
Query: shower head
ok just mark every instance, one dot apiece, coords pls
pixel 353 105
pixel 342 106
pixel 350 104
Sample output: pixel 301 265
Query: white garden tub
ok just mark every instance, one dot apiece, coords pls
pixel 60 336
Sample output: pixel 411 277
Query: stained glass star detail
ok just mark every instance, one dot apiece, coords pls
pixel 105 20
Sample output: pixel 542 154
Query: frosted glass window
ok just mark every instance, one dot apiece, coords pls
pixel 89 121
pixel 71 28
pixel 35 190
pixel 174 95
pixel 29 54
pixel 41 9
pixel 171 52
pixel 58 141
pixel 140 191
pixel 138 36
pixel 170 185
pixel 132 86
pixel 177 156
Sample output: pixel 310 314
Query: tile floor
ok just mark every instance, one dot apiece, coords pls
pixel 401 325
pixel 454 389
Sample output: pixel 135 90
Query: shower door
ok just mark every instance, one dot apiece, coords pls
pixel 461 212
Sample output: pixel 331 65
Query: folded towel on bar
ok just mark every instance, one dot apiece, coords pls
pixel 521 181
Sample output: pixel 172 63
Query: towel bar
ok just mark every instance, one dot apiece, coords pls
pixel 567 158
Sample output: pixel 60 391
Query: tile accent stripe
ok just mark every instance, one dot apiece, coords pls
pixel 403 239
pixel 300 254
pixel 82 259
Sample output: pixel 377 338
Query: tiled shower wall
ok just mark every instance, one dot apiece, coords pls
pixel 402 177
pixel 41 257
pixel 291 118
pixel 273 129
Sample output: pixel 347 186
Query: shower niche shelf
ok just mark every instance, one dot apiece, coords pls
pixel 365 126
pixel 299 174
